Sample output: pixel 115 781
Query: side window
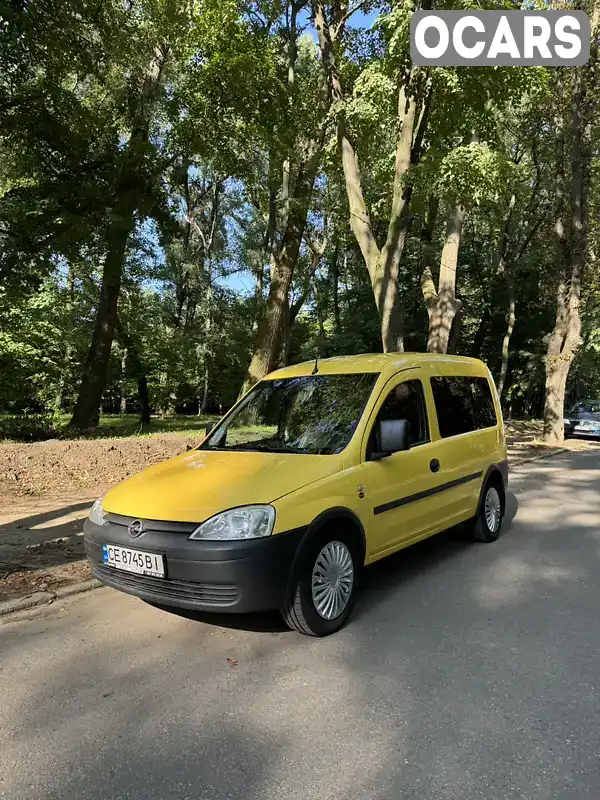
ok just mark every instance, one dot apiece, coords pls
pixel 453 406
pixel 404 401
pixel 483 403
pixel 462 405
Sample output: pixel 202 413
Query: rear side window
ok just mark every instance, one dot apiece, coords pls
pixel 483 403
pixel 463 404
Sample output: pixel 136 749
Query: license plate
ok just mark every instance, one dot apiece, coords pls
pixel 134 560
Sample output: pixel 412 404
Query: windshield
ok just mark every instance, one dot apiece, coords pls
pixel 591 406
pixel 311 414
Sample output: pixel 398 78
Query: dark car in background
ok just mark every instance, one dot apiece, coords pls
pixel 584 419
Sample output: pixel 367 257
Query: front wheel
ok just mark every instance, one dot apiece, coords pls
pixel 325 590
pixel 488 522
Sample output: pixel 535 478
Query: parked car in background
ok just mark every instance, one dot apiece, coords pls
pixel 321 469
pixel 584 419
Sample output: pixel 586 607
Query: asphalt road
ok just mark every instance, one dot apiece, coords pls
pixel 468 671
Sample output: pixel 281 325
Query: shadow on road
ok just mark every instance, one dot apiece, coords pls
pixel 31 541
pixel 378 580
pixel 469 671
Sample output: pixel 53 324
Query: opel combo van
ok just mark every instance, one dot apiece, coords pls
pixel 321 469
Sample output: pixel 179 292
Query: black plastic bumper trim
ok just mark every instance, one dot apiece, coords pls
pixel 237 577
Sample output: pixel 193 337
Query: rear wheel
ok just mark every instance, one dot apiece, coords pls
pixel 488 522
pixel 325 590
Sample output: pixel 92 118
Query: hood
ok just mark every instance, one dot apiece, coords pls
pixel 198 484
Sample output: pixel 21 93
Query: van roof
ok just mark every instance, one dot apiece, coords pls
pixel 371 362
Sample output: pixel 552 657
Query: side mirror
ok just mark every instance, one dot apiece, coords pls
pixel 210 426
pixel 393 435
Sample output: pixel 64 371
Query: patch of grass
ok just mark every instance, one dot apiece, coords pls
pixel 40 427
pixel 116 426
pixel 27 427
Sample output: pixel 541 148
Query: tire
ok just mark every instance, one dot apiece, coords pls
pixel 488 522
pixel 311 609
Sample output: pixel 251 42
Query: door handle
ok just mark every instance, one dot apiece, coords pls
pixel 434 465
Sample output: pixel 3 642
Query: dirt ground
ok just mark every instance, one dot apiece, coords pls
pixel 57 468
pixel 47 488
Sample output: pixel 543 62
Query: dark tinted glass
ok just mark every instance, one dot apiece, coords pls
pixel 588 406
pixel 463 404
pixel 483 403
pixel 405 401
pixel 309 414
pixel 453 405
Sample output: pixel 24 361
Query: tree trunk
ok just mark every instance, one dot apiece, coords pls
pixel 565 340
pixel 258 298
pixel 442 305
pixel 385 282
pixel 286 346
pixel 557 372
pixel 87 408
pixel 511 319
pixel 295 206
pixel 335 287
pixel 454 338
pixel 292 311
pixel 283 263
pixel 480 334
pixel 270 330
pixel 144 400
pixel 382 265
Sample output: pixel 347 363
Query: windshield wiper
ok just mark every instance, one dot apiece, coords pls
pixel 263 447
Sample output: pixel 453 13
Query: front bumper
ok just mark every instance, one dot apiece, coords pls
pixel 233 577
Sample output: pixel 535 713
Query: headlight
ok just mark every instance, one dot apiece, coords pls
pixel 566 421
pixel 96 513
pixel 246 522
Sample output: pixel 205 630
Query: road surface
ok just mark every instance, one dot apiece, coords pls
pixel 468 671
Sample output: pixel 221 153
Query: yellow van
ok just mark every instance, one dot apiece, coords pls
pixel 322 468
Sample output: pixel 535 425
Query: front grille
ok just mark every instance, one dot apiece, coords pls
pixel 165 589
pixel 163 526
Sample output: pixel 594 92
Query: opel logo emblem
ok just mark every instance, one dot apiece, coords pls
pixel 136 528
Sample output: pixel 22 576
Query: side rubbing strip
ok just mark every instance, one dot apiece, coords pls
pixel 403 501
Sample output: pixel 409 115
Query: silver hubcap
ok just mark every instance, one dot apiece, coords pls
pixel 332 580
pixel 493 509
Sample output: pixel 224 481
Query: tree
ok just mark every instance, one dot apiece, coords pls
pixel 194 194
pixel 296 153
pixel 414 98
pixel 575 119
pixel 129 189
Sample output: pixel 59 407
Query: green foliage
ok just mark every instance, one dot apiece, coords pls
pixel 203 158
pixel 473 174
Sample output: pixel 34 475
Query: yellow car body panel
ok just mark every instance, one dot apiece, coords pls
pixel 198 484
